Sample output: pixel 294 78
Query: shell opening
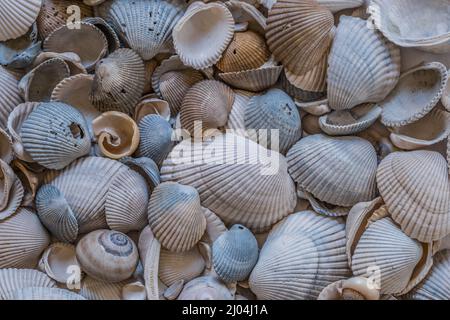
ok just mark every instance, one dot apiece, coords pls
pixel 76 130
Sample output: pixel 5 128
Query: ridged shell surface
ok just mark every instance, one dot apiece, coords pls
pixel 176 266
pixel 17 16
pixel 15 279
pixel 37 293
pixel 9 95
pixel 93 289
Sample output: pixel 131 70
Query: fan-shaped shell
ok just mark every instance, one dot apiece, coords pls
pixel 338 5
pixel 58 261
pixel 15 279
pixel 55 134
pixel 72 60
pixel 9 95
pixel 363 65
pixel 356 288
pixel 414 185
pixel 300 96
pixel 93 289
pixel 37 293
pixel 205 288
pixel 146 167
pixel 17 16
pixel 236 117
pixel 108 31
pixel 337 170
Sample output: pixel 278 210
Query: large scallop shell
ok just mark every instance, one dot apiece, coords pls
pixel 363 65
pixel 415 187
pixel 205 288
pixel 9 95
pixel 242 182
pixel 15 279
pixel 58 261
pixel 337 170
pixel 302 255
pixel 17 16
pixel 37 293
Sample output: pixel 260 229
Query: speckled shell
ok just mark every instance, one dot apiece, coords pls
pixel 370 73
pixel 205 288
pixel 9 95
pixel 58 261
pixel 337 170
pixel 15 279
pixel 55 134
pixel 175 216
pixel 93 289
pixel 107 255
pixel 144 25
pixel 22 12
pixel 234 254
pixel 22 240
pixel 302 255
pixel 37 293
pixel 415 188
pixel 250 187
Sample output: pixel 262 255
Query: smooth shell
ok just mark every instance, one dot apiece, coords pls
pixel 59 262
pixel 356 288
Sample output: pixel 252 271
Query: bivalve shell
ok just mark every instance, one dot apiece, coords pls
pixel 9 95
pixel 59 261
pixel 15 279
pixel 17 16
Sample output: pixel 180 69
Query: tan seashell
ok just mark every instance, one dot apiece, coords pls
pixel 6 147
pixel 338 5
pixel 117 134
pixel 205 288
pixel 58 261
pixel 149 251
pixel 301 97
pixel 151 105
pixel 108 31
pixel 15 279
pixel 310 124
pixel 417 93
pixel 414 185
pixel 315 108
pixel 107 255
pixel 9 95
pixel 356 288
pixel 93 289
pixel 22 13
pixel 134 291
pixel 214 226
pixel 37 293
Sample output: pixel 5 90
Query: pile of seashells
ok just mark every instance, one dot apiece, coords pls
pixel 257 149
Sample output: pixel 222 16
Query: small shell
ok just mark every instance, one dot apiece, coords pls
pixel 15 279
pixel 22 12
pixel 203 33
pixel 372 71
pixel 55 134
pixel 93 289
pixel 36 293
pixel 58 261
pixel 310 124
pixel 9 95
pixel 236 117
pixel 6 147
pixel 235 254
pixel 107 255
pixel 175 216
pixel 323 208
pixel 151 105
pixel 417 93
pixel 214 227
pixel 134 291
pixel 246 13
pixel 205 288
pixel 356 288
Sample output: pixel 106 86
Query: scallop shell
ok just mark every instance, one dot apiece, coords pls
pixel 55 134
pixel 93 289
pixel 356 288
pixel 203 33
pixel 347 122
pixel 15 279
pixel 302 255
pixel 336 170
pixel 22 12
pixel 415 188
pixel 9 95
pixel 58 260
pixel 22 240
pixel 236 117
pixel 298 33
pixel 214 227
pixel 118 82
pixel 234 254
pixel 72 60
pixel 250 186
pixel 363 65
pixel 144 25
pixel 6 147
pixel 36 293
pixel 175 216
pixel 107 255
pixel 417 93
pixel 205 288
pixel 151 105
pixel 108 31
pixel 87 41
pixel 338 5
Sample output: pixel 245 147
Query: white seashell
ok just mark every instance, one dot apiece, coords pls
pixel 172 292
pixel 58 262
pixel 37 293
pixel 247 13
pixel 134 291
pixel 22 12
pixel 356 288
pixel 9 95
pixel 15 279
pixel 205 288
pixel 93 289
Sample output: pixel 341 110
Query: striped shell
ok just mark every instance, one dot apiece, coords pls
pixel 15 279
pixel 338 5
pixel 214 227
pixel 253 80
pixel 11 191
pixel 9 95
pixel 150 104
pixel 93 289
pixel 205 288
pixel 37 293
pixel 17 16
pixel 149 251
pixel 6 147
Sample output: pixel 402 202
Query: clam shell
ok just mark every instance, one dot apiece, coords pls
pixel 15 279
pixel 151 105
pixel 247 14
pixel 87 41
pixel 363 65
pixel 57 261
pixel 302 255
pixel 144 25
pixel 108 31
pixel 9 95
pixel 250 186
pixel 22 12
pixel 175 216
pixel 338 5
pixel 22 240
pixel 118 82
pixel 107 255
pixel 6 147
pixel 336 170
pixel 56 214
pixel 205 288
pixel 414 185
pixel 234 254
pixel 417 93
pixel 214 226
pixel 37 293
pixel 356 288
pixel 324 208
pixel 55 134
pixel 298 33
pixel 253 80
pixel 93 289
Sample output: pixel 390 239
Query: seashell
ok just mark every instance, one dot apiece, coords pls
pixel 93 289
pixel 298 33
pixel 336 170
pixel 11 191
pixel 246 51
pixel 172 79
pixel 338 5
pixel 324 208
pixel 55 134
pixel 116 133
pixel 235 254
pixel 6 147
pixel 87 41
pixel 315 108
pixel 185 266
pixel 347 122
pixel 29 181
pixel 107 255
pixel 274 110
pixel 72 60
pixel 202 34
pixel 208 103
pixel 56 13
pixel 108 32
pixel 399 25
pixel 205 288
pixel 156 138
pixel 172 292
pixel 22 12
pixel 36 293
pixel 56 214
pixel 9 95
pixel 172 202
pixel 146 33
pixel 134 291
pixel 356 288
pixel 22 240
pixel 58 261
pixel 310 124
pixel 118 82
pixel 149 251
pixel 214 226
pixel 417 93
pixel 372 71
pixel 146 167
pixel 302 255
pixel 415 188
pixel 236 117
pixel 300 96
pixel 222 177
pixel 151 105
pixel 248 14
pixel 15 279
